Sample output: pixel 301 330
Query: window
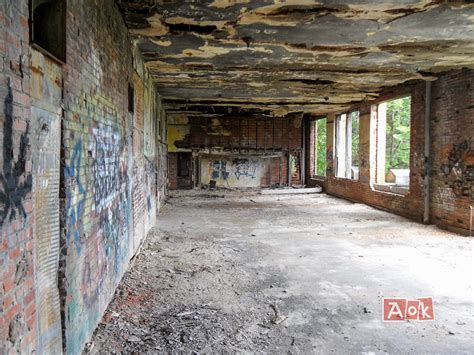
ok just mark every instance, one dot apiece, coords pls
pixel 393 143
pixel 320 144
pixel 347 145
pixel 48 27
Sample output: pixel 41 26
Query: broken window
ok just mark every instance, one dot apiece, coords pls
pixel 320 144
pixel 393 142
pixel 347 145
pixel 48 27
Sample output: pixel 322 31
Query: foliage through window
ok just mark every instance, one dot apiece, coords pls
pixel 320 144
pixel 393 141
pixel 347 145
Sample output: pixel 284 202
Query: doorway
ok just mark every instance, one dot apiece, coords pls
pixel 185 169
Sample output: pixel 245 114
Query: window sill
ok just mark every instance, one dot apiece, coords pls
pixel 345 178
pixel 393 189
pixel 46 53
pixel 319 177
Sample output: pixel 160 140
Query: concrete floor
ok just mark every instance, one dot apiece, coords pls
pixel 218 264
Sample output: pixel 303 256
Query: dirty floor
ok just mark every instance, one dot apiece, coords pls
pixel 242 272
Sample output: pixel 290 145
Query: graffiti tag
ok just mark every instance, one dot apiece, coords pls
pixel 244 167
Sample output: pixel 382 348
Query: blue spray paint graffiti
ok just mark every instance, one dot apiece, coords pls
pixel 72 176
pixel 244 167
pixel 150 185
pixel 109 181
pixel 218 169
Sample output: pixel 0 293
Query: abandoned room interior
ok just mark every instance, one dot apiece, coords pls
pixel 236 176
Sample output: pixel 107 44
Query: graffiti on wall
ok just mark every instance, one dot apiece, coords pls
pixel 459 170
pixel 105 149
pixel 150 185
pixel 109 181
pixel 96 211
pixel 218 169
pixel 15 185
pixel 75 197
pixel 244 167
pixel 234 170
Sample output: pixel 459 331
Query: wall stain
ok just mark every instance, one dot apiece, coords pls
pixel 15 185
pixel 459 170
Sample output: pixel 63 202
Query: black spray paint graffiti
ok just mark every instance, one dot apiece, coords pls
pixel 15 184
pixel 244 167
pixel 459 170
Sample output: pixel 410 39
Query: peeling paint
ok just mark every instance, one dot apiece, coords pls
pixel 228 54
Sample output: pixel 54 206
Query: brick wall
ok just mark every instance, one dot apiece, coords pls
pixel 452 161
pixel 452 132
pixel 113 174
pixel 248 133
pixel 409 205
pixel 110 176
pixel 173 170
pixel 17 295
pixel 264 143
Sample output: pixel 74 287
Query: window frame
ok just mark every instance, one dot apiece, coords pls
pixel 347 144
pixel 314 173
pixel 386 187
pixel 34 43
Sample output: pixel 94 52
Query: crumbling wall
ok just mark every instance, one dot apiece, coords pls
pixel 17 294
pixel 237 151
pixel 452 130
pixel 110 164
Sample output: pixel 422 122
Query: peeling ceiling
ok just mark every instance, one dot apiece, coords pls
pixel 296 55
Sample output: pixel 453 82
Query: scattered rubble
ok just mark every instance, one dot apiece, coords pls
pixel 244 276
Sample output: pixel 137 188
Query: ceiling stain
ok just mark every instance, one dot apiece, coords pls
pixel 278 57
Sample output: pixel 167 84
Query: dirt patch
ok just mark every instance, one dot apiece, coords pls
pixel 187 294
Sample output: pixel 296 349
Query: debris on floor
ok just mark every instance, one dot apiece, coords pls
pixel 276 274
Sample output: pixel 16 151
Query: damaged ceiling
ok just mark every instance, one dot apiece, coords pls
pixel 295 56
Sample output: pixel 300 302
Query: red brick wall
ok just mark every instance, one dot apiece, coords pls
pixel 410 205
pixel 250 133
pixel 17 298
pixel 110 183
pixel 244 136
pixel 97 215
pixel 452 132
pixel 173 170
pixel 452 127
